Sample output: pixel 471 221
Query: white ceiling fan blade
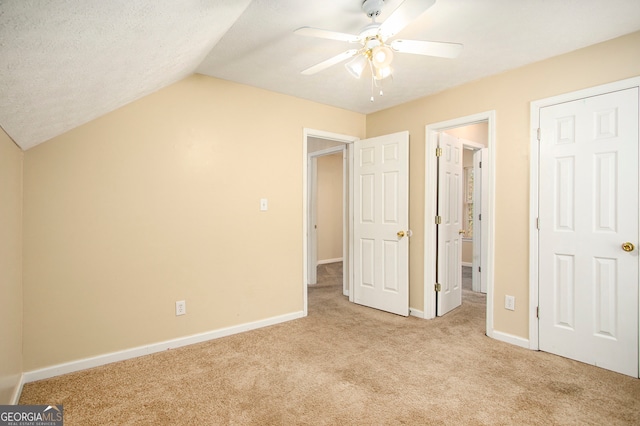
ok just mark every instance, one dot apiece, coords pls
pixel 331 35
pixel 403 15
pixel 329 62
pixel 429 48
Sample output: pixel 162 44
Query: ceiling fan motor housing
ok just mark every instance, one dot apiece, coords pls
pixel 372 8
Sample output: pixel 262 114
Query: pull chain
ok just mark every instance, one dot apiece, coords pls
pixel 372 79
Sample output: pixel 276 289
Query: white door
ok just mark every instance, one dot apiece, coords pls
pixel 313 220
pixel 449 258
pixel 479 284
pixel 588 210
pixel 381 223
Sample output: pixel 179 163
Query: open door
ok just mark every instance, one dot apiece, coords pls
pixel 450 227
pixel 479 209
pixel 381 223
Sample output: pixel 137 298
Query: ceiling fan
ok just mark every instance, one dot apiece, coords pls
pixel 376 47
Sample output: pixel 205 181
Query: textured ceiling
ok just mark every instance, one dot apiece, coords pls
pixel 66 62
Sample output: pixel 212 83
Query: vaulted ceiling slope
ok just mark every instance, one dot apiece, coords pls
pixel 66 62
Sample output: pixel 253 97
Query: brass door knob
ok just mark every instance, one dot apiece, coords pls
pixel 400 234
pixel 628 246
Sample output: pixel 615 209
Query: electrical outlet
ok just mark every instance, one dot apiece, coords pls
pixel 181 307
pixel 510 303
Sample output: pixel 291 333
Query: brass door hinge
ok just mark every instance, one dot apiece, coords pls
pixel 438 220
pixel 438 287
pixel 438 152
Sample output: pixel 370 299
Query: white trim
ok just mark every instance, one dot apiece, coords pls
pixel 83 364
pixel 326 261
pixel 511 339
pixel 416 313
pixel 348 286
pixel 17 391
pixel 346 225
pixel 306 134
pixel 535 107
pixel 327 151
pixel 475 145
pixel 488 239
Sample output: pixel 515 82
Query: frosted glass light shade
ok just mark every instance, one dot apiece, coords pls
pixel 356 66
pixel 381 56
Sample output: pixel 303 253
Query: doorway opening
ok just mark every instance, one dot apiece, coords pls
pixel 327 207
pixel 326 154
pixel 474 139
pixel 376 218
pixel 478 221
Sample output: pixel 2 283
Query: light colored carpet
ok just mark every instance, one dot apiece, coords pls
pixel 347 364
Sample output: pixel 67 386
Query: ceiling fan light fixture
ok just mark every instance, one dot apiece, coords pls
pixel 357 65
pixel 381 56
pixel 376 49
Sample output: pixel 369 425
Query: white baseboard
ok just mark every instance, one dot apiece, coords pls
pixel 469 264
pixel 416 313
pixel 17 391
pixel 511 339
pixel 83 364
pixel 325 261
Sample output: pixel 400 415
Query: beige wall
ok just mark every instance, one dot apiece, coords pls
pixel 158 201
pixel 330 207
pixel 478 133
pixel 509 94
pixel 10 267
pixel 467 251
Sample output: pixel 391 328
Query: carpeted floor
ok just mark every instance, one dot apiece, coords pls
pixel 347 364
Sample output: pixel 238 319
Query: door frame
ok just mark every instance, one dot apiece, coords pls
pixel 430 211
pixel 347 207
pixel 534 164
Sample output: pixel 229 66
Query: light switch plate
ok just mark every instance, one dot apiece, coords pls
pixel 510 303
pixel 264 204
